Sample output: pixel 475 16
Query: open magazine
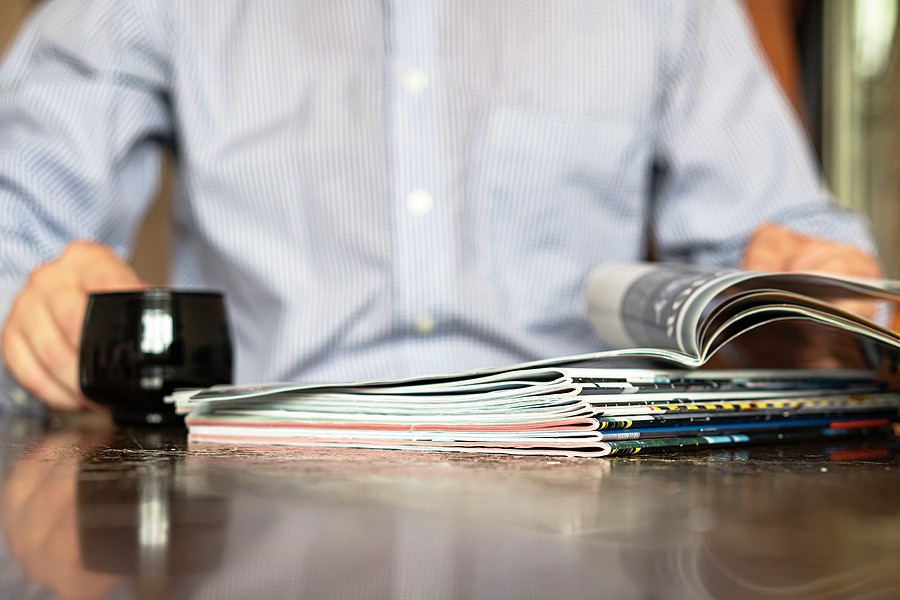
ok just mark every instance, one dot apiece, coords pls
pixel 662 322
pixel 685 314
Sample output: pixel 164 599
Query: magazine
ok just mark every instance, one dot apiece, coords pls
pixel 644 393
pixel 685 314
pixel 553 411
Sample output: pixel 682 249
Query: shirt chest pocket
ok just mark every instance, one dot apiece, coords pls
pixel 551 198
pixel 550 186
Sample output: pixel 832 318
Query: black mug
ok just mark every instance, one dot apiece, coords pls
pixel 139 346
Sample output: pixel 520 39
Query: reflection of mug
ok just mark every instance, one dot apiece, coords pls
pixel 148 519
pixel 138 346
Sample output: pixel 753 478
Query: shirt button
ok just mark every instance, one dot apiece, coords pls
pixel 419 202
pixel 414 82
pixel 424 325
pixel 18 396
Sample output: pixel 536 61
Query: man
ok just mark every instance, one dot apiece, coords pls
pixel 391 188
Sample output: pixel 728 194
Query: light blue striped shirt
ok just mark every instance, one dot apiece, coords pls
pixel 400 187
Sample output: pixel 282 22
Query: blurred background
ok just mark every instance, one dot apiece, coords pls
pixel 837 61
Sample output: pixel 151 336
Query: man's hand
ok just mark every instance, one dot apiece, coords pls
pixel 776 248
pixel 42 334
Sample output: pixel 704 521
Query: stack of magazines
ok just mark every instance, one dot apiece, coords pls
pixel 656 390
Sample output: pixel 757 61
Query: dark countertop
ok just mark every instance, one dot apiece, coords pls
pixel 94 512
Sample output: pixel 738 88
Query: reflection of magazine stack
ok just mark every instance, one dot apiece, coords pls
pixel 644 394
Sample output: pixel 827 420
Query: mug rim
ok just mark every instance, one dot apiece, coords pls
pixel 157 292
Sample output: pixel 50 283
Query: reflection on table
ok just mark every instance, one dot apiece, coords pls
pixel 94 512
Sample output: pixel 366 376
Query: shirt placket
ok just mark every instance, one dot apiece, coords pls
pixel 420 203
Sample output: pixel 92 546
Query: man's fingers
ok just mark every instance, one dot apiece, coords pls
pixel 65 283
pixel 35 336
pixel 865 308
pixel 66 311
pixel 761 258
pixel 57 357
pixel 52 296
pixel 776 248
pixel 769 247
pixel 834 258
pixel 34 377
pixel 100 268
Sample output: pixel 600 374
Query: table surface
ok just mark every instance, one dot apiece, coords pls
pixel 94 512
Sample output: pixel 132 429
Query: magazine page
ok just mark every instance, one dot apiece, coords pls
pixel 743 312
pixel 654 305
pixel 682 307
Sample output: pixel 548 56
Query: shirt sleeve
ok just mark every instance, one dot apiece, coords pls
pixel 83 115
pixel 731 152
